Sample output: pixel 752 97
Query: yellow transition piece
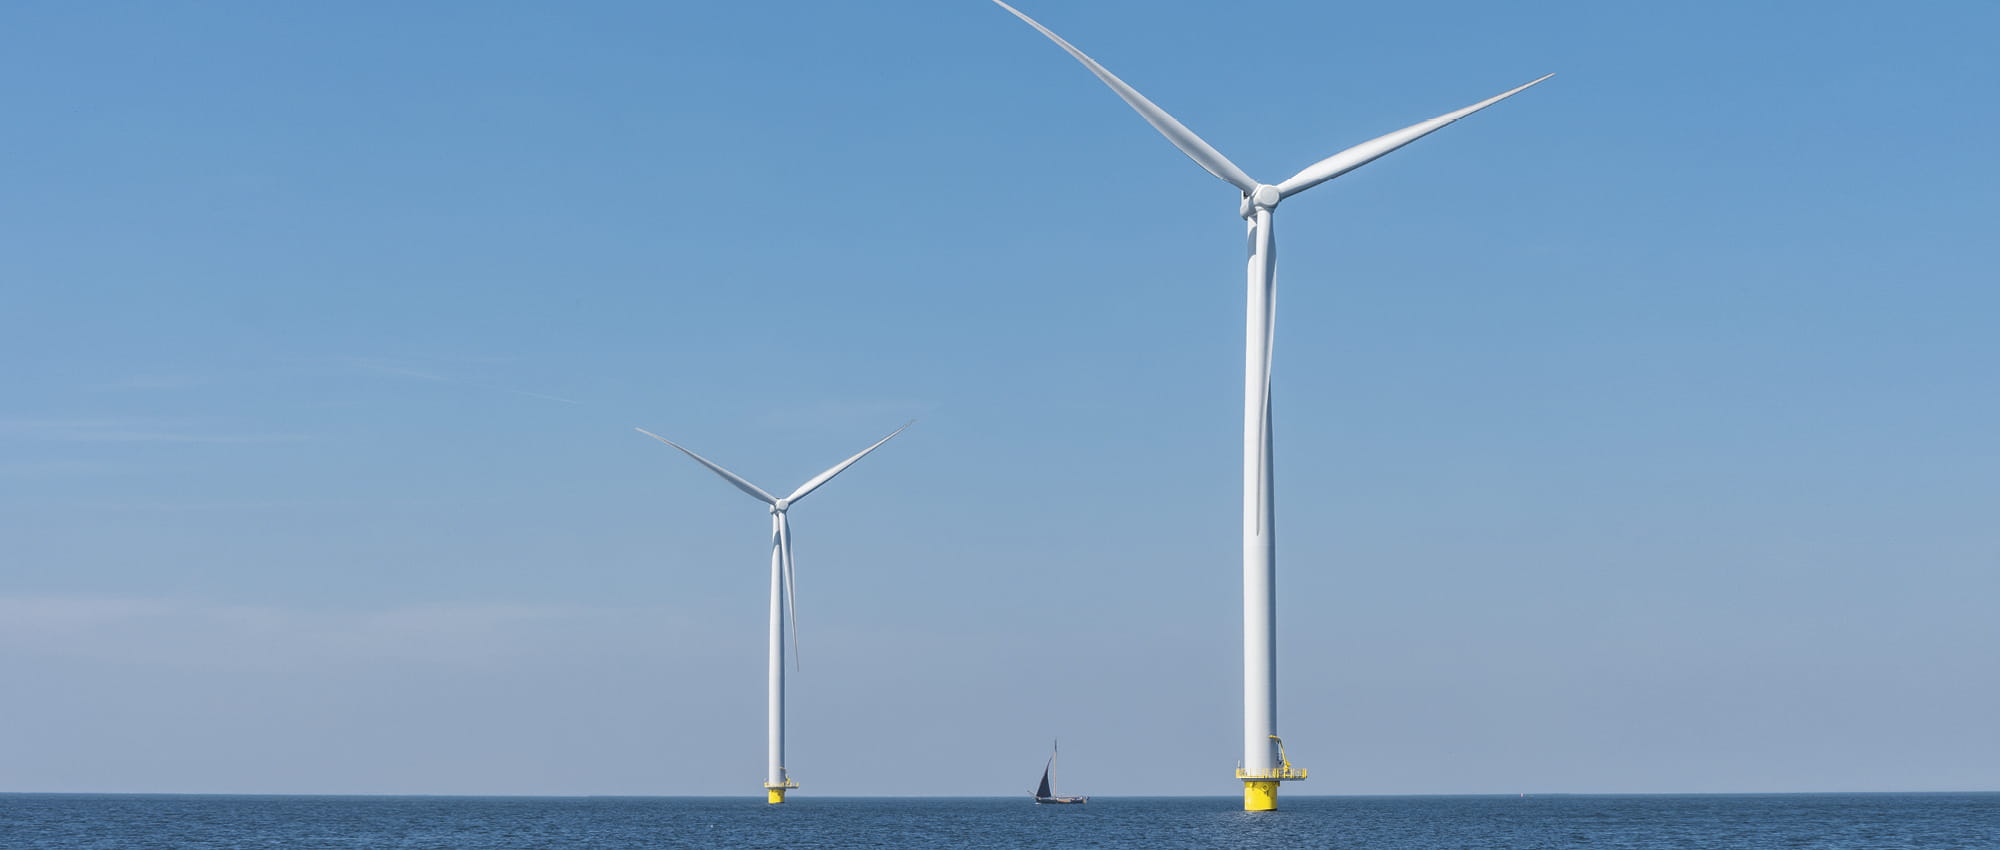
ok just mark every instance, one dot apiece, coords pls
pixel 774 795
pixel 1260 796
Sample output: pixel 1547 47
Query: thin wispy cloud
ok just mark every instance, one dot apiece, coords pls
pixel 401 370
pixel 393 369
pixel 243 506
pixel 131 430
pixel 889 412
pixel 154 382
pixel 218 635
pixel 531 394
pixel 55 468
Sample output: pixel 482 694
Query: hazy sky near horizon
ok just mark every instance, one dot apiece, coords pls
pixel 1637 434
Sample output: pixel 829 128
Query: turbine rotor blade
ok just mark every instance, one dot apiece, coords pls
pixel 728 476
pixel 828 475
pixel 1203 155
pixel 1368 151
pixel 791 582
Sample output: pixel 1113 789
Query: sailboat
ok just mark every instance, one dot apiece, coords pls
pixel 1045 793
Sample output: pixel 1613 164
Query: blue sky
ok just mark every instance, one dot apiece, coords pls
pixel 1633 435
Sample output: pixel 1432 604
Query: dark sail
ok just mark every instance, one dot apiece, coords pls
pixel 1044 790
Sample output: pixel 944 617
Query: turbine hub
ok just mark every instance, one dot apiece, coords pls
pixel 1264 197
pixel 781 506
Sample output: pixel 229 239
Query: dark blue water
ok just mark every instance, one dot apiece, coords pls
pixel 1873 821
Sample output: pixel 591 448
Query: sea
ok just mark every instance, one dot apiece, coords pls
pixel 1843 821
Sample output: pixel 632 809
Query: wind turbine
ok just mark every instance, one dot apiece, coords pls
pixel 776 780
pixel 1264 762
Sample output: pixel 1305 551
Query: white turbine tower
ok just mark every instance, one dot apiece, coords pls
pixel 783 594
pixel 1264 762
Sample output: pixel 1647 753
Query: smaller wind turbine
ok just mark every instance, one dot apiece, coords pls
pixel 776 781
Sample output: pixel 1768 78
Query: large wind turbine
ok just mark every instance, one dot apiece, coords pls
pixel 1264 762
pixel 776 780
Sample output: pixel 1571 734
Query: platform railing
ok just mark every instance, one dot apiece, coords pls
pixel 1275 774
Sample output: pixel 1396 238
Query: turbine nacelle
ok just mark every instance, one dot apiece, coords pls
pixel 1264 197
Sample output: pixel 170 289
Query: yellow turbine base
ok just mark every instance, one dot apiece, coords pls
pixel 774 795
pixel 1260 796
